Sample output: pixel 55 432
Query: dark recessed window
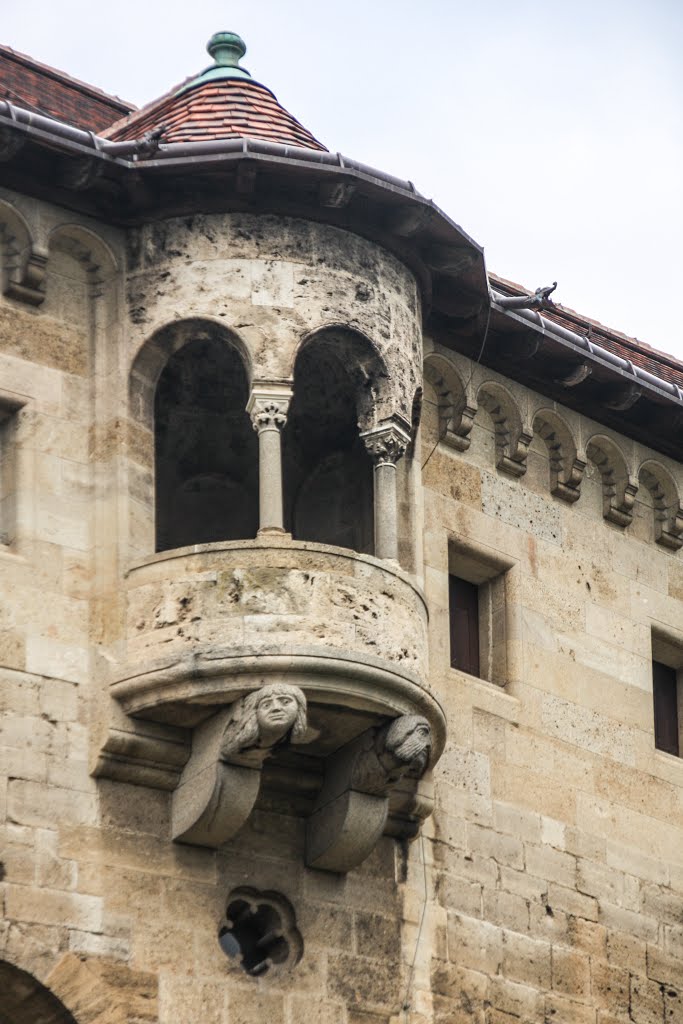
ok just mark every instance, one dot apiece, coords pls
pixel 463 601
pixel 665 694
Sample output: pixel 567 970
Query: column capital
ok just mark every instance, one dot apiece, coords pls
pixel 268 405
pixel 387 443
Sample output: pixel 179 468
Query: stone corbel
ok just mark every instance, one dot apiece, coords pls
pixel 142 753
pixel 26 279
pixel 567 484
pixel 221 780
pixel 669 530
pixel 353 805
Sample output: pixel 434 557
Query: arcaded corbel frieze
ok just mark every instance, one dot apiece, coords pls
pixel 618 501
pixel 619 485
pixel 669 530
pixel 352 808
pixel 567 463
pixel 456 402
pixel 668 511
pixel 388 442
pixel 25 279
pixel 566 482
pixel 512 454
pixel 220 783
pixel 268 406
pixel 513 436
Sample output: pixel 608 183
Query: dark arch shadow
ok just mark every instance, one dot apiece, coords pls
pixel 206 451
pixel 24 1000
pixel 327 470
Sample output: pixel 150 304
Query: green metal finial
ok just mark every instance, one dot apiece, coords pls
pixel 227 49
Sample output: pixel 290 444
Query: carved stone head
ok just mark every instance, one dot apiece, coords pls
pixel 264 719
pixel 408 742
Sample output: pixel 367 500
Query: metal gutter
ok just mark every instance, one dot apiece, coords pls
pixel 175 150
pixel 27 119
pixel 127 155
pixel 23 118
pixel 553 330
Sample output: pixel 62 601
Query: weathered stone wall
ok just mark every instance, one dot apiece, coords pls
pixel 280 597
pixel 557 847
pixel 548 884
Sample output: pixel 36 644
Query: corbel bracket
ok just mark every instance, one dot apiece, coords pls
pixel 353 805
pixel 26 279
pixel 220 783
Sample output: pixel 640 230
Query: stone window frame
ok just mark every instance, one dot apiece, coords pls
pixel 10 405
pixel 491 573
pixel 667 650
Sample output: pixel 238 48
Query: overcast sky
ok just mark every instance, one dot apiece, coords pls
pixel 551 132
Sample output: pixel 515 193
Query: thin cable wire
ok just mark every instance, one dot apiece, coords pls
pixel 469 381
pixel 405 1006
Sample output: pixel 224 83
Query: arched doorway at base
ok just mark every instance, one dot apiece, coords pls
pixel 26 1001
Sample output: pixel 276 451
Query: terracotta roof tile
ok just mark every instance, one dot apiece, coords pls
pixel 228 109
pixel 28 83
pixel 651 359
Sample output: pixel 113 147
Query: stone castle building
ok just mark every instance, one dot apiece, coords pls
pixel 340 631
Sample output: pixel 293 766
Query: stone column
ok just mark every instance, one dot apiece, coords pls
pixel 267 406
pixel 386 444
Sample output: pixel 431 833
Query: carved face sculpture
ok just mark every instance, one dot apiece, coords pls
pixel 265 717
pixel 409 741
pixel 276 713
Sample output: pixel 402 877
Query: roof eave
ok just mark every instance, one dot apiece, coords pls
pixel 328 187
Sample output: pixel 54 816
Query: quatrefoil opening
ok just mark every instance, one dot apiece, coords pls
pixel 260 931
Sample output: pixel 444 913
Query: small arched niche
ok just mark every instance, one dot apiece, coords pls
pixel 327 470
pixel 205 449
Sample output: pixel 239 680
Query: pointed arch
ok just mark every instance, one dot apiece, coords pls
pixel 566 465
pixel 668 512
pixel 513 436
pixel 619 485
pixel 457 405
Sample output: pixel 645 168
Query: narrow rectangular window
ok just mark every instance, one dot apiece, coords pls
pixel 8 474
pixel 665 693
pixel 464 625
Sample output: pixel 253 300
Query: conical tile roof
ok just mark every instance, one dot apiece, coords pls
pixel 224 102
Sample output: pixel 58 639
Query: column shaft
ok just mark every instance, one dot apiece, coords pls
pixel 386 444
pixel 270 479
pixel 386 511
pixel 267 406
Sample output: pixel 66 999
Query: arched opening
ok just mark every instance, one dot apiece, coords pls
pixel 25 1001
pixel 206 451
pixel 327 471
